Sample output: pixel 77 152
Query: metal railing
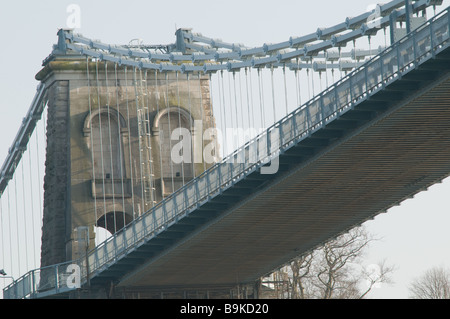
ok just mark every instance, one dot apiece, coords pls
pixel 402 57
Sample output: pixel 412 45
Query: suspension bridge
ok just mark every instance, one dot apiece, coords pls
pixel 209 164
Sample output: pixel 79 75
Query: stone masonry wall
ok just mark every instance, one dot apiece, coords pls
pixel 57 176
pixel 74 98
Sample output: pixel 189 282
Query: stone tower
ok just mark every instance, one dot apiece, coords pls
pixel 109 146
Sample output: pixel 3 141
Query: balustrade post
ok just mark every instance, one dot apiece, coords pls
pixel 56 279
pixel 433 53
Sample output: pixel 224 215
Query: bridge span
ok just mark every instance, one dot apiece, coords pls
pixel 378 152
pixel 374 138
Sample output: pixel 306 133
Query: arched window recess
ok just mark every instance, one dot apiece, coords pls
pixel 106 135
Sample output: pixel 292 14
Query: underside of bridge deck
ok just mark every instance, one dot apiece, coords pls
pixel 383 151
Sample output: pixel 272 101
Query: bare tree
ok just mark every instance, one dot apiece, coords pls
pixel 433 284
pixel 333 271
pixel 380 274
pixel 334 279
pixel 300 267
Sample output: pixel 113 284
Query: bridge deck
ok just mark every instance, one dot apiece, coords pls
pixel 375 138
pixel 383 151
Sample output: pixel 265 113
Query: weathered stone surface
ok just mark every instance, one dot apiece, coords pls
pixel 56 177
pixel 76 99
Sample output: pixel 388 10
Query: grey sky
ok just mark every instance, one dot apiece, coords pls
pixel 415 235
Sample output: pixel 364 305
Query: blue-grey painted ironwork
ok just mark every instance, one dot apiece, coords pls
pixel 21 140
pixel 409 53
pixel 240 56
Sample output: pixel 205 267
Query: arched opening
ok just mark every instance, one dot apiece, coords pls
pixel 106 147
pixel 105 133
pixel 173 141
pixel 109 224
